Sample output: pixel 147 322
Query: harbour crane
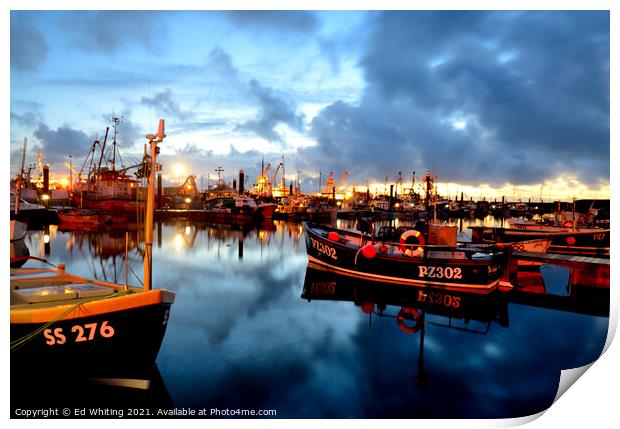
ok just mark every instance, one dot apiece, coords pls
pixel 399 183
pixel 342 179
pixel 329 183
pixel 273 177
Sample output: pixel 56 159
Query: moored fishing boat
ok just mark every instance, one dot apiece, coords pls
pixel 77 218
pixel 105 187
pixel 573 241
pixel 69 327
pixel 440 264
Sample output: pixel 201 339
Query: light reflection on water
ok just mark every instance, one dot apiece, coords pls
pixel 241 336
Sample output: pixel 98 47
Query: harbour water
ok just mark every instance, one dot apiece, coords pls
pixel 242 336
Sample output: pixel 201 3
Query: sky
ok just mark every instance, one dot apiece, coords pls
pixel 503 102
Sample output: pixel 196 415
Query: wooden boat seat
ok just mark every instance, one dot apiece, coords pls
pixel 58 293
pixel 37 280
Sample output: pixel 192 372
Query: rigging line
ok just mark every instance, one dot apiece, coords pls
pixel 134 273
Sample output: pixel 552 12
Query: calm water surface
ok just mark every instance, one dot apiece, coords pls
pixel 240 335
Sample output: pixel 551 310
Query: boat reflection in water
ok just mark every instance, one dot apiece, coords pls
pixel 415 310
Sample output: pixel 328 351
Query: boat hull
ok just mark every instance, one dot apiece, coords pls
pixel 116 345
pixel 112 205
pixel 436 272
pixel 18 230
pixel 579 242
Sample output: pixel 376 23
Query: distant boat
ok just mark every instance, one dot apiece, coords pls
pixel 442 264
pixel 109 190
pixel 106 187
pixel 590 242
pixel 237 209
pixel 532 225
pixel 78 218
pixel 265 211
pixel 27 212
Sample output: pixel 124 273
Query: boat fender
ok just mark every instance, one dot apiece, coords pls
pixel 570 241
pixel 383 248
pixel 333 236
pixel 568 224
pixel 368 307
pixel 369 251
pixel 407 313
pixel 412 237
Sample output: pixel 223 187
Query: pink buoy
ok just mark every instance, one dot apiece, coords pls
pixel 369 251
pixel 333 236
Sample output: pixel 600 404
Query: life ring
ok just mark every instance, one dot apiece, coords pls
pixel 408 250
pixel 568 224
pixel 408 313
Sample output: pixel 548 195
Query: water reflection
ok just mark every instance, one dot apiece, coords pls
pixel 240 336
pixel 493 349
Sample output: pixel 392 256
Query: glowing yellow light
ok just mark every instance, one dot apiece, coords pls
pixel 188 200
pixel 178 169
pixel 64 181
pixel 178 241
pixel 339 203
pixel 397 205
pixel 189 186
pixel 262 235
pixel 188 230
pixel 45 197
pixel 46 238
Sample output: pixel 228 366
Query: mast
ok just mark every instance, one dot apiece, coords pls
pixel 70 175
pixel 103 147
pixel 20 178
pixel 115 122
pixel 150 205
pixel 283 186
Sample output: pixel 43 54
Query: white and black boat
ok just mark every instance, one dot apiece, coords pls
pixel 442 263
pixel 569 241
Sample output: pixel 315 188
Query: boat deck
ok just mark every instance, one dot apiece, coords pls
pixel 560 259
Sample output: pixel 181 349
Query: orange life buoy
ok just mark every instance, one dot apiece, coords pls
pixel 408 250
pixel 407 313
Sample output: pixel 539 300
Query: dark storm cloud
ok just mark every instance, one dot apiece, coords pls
pixel 166 103
pixel 60 143
pixel 28 46
pixel 109 31
pixel 532 88
pixel 275 20
pixel 28 119
pixel 274 108
pixel 219 63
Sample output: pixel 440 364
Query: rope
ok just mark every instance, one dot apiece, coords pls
pixel 134 273
pixel 17 344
